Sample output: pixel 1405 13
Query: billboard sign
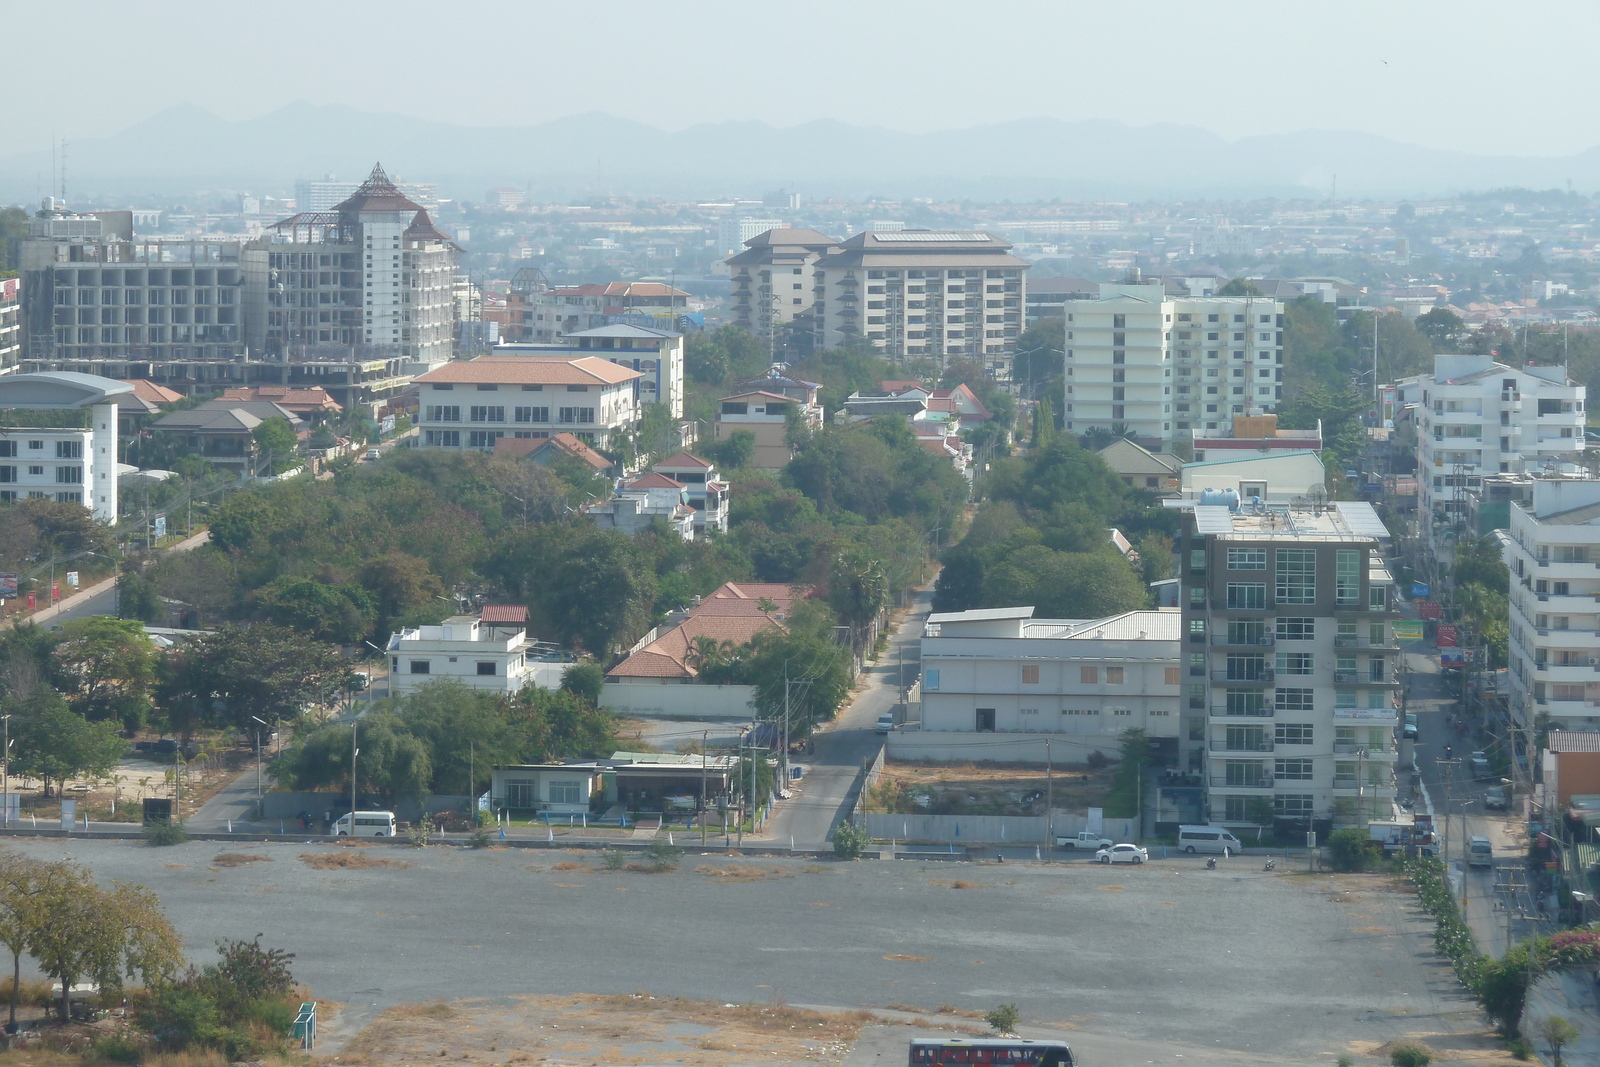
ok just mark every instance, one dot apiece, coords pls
pixel 8 585
pixel 1445 636
pixel 72 579
pixel 1407 631
pixel 1420 589
pixel 1428 609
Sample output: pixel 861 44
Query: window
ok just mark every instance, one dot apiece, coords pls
pixel 1247 595
pixel 580 415
pixel 8 448
pixel 8 474
pixel 1347 577
pixel 1292 733
pixel 1247 559
pixel 1246 633
pixel 483 438
pixel 1290 628
pixel 421 666
pixel 486 667
pixel 1295 769
pixel 930 679
pixel 1172 675
pixel 564 793
pixel 1246 668
pixel 488 413
pixel 69 449
pixel 1113 675
pixel 1246 702
pixel 442 438
pixel 519 795
pixel 531 414
pixel 444 413
pixel 69 475
pixel 1294 663
pixel 1030 674
pixel 1089 675
pixel 1297 576
pixel 1378 598
pixel 1292 806
pixel 1293 699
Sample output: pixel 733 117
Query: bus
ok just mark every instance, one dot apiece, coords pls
pixel 993 1052
pixel 368 824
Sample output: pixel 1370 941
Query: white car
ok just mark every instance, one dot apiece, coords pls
pixel 1122 854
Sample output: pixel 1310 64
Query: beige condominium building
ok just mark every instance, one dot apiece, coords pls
pixel 1289 661
pixel 773 280
pixel 1170 368
pixel 924 294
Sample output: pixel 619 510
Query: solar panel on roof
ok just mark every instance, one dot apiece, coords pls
pixel 1362 520
pixel 1211 519
pixel 915 235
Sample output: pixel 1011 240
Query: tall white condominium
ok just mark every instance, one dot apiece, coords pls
pixel 1478 417
pixel 1289 656
pixel 1553 552
pixel 924 294
pixel 1169 367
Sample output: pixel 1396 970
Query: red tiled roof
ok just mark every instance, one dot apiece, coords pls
pixel 531 370
pixel 295 398
pixel 654 481
pixel 504 613
pixel 684 459
pixel 151 392
pixel 760 392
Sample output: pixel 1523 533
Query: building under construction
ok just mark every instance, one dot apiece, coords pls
pixel 356 300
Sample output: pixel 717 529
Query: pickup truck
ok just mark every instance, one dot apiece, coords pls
pixel 1091 841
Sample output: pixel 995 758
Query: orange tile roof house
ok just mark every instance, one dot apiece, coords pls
pixel 312 401
pixel 546 450
pixel 732 613
pixel 474 403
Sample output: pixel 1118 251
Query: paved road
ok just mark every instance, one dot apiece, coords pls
pixel 1228 959
pixel 810 816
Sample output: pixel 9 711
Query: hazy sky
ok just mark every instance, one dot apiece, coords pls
pixel 1487 77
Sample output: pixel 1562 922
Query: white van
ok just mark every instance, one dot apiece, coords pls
pixel 368 824
pixel 1480 853
pixel 1192 839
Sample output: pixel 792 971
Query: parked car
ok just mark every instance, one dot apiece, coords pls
pixel 1123 853
pixel 374 454
pixel 1480 766
pixel 1496 799
pixel 1409 730
pixel 885 722
pixel 1085 840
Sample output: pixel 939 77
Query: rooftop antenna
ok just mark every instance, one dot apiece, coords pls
pixel 63 172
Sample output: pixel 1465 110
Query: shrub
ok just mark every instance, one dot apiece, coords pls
pixel 1346 1060
pixel 1003 1019
pixel 420 832
pixel 165 832
pixel 612 859
pixel 850 841
pixel 1347 849
pixel 1520 1048
pixel 663 856
pixel 480 838
pixel 1410 1054
pixel 1098 761
pixel 118 1049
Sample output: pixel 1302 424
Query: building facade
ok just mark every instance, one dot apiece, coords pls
pixel 918 293
pixel 763 407
pixel 10 324
pixel 536 313
pixel 774 280
pixel 1170 368
pixel 1552 550
pixel 70 465
pixel 1289 664
pixel 1477 417
pixel 1080 681
pixel 474 403
pixel 462 649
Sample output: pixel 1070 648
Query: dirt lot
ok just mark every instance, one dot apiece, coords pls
pixel 117 797
pixel 922 786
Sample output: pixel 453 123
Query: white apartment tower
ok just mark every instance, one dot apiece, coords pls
pixel 773 278
pixel 1289 663
pixel 1553 552
pixel 1170 367
pixel 1476 417
pixel 920 293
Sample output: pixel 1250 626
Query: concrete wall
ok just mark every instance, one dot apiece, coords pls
pixel 288 805
pixel 967 829
pixel 692 702
pixel 1001 747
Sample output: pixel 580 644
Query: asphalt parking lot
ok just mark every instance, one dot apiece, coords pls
pixel 1229 959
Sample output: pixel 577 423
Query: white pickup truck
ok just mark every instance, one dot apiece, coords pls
pixel 1085 839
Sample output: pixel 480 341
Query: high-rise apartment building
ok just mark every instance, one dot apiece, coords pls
pixel 1168 367
pixel 734 232
pixel 774 279
pixel 919 293
pixel 1289 663
pixel 370 282
pixel 1553 552
pixel 1478 418
pixel 10 324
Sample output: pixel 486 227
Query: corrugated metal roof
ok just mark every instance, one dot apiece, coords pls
pixel 982 615
pixel 1133 626
pixel 1573 741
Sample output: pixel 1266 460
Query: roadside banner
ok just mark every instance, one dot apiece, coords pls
pixel 33 601
pixel 69 812
pixel 1096 820
pixel 1451 657
pixel 1407 631
pixel 1429 609
pixel 8 585
pixel 161 526
pixel 55 591
pixel 1444 635
pixel 72 579
pixel 10 808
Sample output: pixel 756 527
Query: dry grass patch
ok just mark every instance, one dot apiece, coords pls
pixel 898 957
pixel 568 865
pixel 345 861
pixel 742 872
pixel 958 883
pixel 238 859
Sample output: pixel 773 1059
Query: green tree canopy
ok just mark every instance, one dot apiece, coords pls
pixel 54 743
pixel 111 664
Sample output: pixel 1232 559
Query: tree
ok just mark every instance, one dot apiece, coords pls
pixel 236 673
pixel 732 452
pixel 392 762
pixel 1240 287
pixel 463 731
pixel 339 614
pixel 276 441
pixel 22 880
pixel 112 665
pixel 857 588
pixel 803 658
pixel 1557 1033
pixel 1443 327
pixel 599 592
pixel 137 599
pixel 52 741
pixel 584 680
pixel 1347 848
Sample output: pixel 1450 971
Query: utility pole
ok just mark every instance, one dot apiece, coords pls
pixel 5 772
pixel 705 739
pixel 354 752
pixel 746 803
pixel 785 761
pixel 1049 802
pixel 258 766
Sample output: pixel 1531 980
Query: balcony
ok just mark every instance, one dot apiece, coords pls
pixel 1382 748
pixel 1364 678
pixel 1222 640
pixel 1230 781
pixel 1568 638
pixel 1260 677
pixel 1241 747
pixel 1362 643
pixel 1566 672
pixel 1564 570
pixel 1221 711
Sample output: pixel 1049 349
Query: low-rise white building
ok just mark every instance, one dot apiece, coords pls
pixel 478 652
pixel 646 499
pixel 706 493
pixel 474 403
pixel 1078 682
pixel 64 464
pixel 1284 478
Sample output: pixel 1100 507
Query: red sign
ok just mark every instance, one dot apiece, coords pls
pixel 33 601
pixel 1445 636
pixel 1428 609
pixel 55 591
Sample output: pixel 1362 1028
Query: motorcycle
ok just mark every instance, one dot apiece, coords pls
pixel 1211 864
pixel 1271 865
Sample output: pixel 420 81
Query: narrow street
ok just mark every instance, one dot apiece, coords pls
pixel 830 774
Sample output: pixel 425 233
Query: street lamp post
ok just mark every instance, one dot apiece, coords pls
pixel 258 766
pixel 5 772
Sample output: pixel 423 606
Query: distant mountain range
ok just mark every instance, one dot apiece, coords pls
pixel 186 150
